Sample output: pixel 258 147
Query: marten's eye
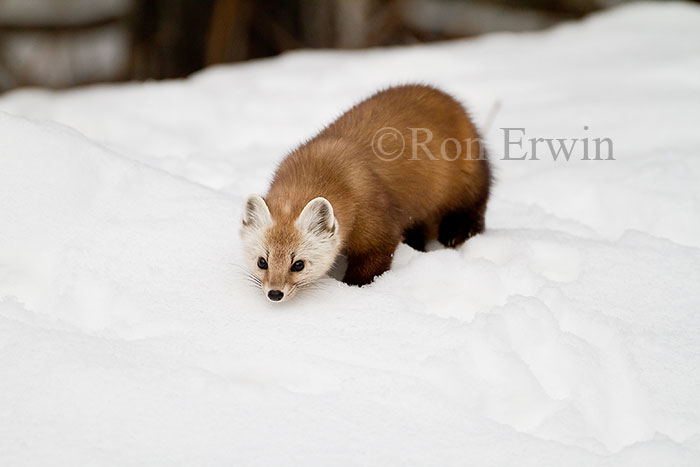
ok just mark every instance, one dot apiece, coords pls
pixel 297 266
pixel 262 264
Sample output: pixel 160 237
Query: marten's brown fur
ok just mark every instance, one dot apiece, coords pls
pixel 418 196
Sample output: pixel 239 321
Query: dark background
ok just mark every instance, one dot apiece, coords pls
pixel 63 43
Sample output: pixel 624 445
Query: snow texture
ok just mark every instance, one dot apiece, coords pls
pixel 567 334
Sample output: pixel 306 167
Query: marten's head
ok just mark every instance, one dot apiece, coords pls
pixel 287 253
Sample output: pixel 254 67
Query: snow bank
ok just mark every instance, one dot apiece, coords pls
pixel 566 335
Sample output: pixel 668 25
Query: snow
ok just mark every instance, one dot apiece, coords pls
pixel 567 334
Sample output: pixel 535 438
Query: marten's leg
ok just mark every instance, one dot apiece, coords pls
pixel 460 224
pixel 365 265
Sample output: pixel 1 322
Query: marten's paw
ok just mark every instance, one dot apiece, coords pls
pixel 456 227
pixel 415 236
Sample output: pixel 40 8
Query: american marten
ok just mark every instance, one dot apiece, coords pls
pixel 406 164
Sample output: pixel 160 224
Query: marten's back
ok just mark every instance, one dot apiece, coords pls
pixel 421 143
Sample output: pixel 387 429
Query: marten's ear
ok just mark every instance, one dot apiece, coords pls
pixel 255 212
pixel 317 217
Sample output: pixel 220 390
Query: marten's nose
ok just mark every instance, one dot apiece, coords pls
pixel 275 295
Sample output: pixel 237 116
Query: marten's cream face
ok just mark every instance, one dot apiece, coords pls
pixel 285 256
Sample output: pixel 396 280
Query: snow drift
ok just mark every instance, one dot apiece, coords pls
pixel 568 334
